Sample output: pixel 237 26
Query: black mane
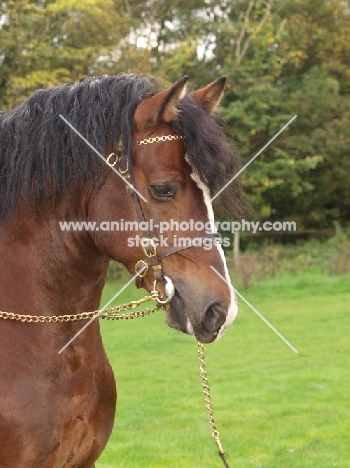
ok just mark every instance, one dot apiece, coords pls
pixel 209 152
pixel 42 158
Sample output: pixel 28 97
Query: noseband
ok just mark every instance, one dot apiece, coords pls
pixel 152 257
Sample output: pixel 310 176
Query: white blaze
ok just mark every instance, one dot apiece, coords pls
pixel 232 307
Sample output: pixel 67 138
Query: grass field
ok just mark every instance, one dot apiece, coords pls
pixel 273 408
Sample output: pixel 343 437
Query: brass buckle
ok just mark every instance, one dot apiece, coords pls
pixel 126 170
pixel 115 161
pixel 145 242
pixel 141 272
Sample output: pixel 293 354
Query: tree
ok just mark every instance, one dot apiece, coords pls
pixel 44 43
pixel 282 57
pixel 290 70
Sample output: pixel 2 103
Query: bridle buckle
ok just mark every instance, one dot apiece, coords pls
pixel 141 268
pixel 149 248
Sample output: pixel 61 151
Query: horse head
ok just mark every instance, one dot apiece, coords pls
pixel 167 190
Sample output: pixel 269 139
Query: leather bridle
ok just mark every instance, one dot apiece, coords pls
pixel 152 257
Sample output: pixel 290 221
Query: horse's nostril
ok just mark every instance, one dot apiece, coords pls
pixel 214 318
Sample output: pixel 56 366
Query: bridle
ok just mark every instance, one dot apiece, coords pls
pixel 152 257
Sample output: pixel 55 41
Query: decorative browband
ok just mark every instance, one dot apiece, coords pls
pixel 156 139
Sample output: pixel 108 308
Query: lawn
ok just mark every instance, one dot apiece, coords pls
pixel 273 408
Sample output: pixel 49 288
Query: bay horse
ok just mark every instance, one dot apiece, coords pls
pixel 57 410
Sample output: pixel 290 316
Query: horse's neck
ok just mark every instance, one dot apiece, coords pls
pixel 44 271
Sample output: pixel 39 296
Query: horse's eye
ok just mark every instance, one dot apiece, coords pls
pixel 165 191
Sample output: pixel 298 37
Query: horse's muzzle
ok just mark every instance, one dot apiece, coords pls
pixel 214 318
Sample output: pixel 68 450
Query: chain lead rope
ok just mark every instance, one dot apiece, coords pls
pixel 207 398
pixel 113 313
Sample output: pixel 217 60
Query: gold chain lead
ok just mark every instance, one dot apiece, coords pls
pixel 207 398
pixel 112 313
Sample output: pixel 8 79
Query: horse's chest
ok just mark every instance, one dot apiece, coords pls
pixel 56 423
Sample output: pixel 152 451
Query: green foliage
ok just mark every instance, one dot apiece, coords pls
pixel 331 256
pixel 44 43
pixel 282 58
pixel 338 252
pixel 304 173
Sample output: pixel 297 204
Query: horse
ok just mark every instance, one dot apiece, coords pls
pixel 57 409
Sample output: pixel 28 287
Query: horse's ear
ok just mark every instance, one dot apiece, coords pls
pixel 162 107
pixel 168 111
pixel 210 96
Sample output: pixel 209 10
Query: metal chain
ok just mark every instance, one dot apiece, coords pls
pixel 112 313
pixel 156 139
pixel 206 390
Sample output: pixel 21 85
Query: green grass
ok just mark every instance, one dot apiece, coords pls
pixel 273 408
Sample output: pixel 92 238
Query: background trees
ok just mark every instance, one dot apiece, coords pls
pixel 282 58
